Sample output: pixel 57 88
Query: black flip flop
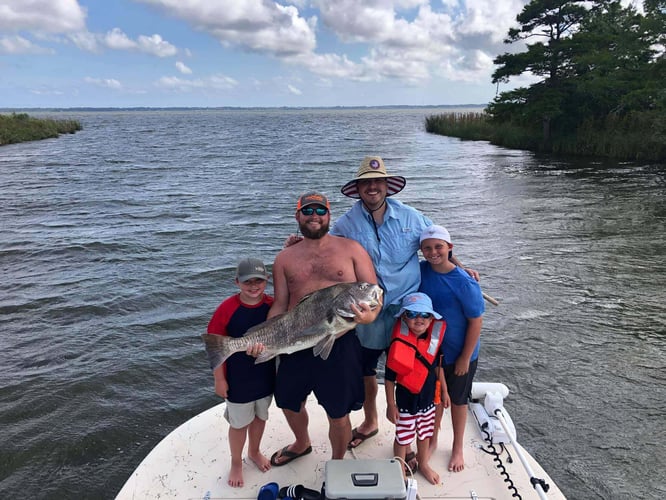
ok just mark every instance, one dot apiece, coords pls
pixel 288 455
pixel 356 435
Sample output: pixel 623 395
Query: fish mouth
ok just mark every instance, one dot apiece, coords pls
pixel 372 294
pixel 375 296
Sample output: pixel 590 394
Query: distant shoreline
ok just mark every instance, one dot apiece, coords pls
pixel 239 108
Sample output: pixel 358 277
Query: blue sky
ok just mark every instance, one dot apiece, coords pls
pixel 164 53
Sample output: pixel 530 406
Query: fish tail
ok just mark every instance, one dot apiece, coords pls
pixel 217 349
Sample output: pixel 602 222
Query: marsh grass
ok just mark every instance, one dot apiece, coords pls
pixel 635 136
pixel 471 126
pixel 19 127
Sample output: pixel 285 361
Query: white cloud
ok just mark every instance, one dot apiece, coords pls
pixel 156 46
pixel 484 23
pixel 407 40
pixel 180 66
pixel 254 25
pixel 328 65
pixel 43 16
pixel 294 90
pixel 20 45
pixel 85 41
pixel 47 92
pixel 215 82
pixel 116 39
pixel 298 3
pixel 110 83
pixel 411 40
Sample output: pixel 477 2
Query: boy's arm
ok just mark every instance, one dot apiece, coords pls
pixel 471 338
pixel 218 326
pixel 391 408
pixel 221 385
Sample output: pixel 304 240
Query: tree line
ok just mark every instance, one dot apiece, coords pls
pixel 601 89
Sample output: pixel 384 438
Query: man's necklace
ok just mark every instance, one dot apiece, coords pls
pixel 372 217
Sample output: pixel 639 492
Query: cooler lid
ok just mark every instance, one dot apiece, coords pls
pixel 364 479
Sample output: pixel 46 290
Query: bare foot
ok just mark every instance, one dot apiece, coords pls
pixel 236 475
pixel 262 462
pixel 457 462
pixel 429 473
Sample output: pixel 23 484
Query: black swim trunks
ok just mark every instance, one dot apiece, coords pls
pixel 459 388
pixel 337 382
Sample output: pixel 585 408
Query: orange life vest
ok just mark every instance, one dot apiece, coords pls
pixel 412 358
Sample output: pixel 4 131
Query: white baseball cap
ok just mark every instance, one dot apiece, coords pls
pixel 435 232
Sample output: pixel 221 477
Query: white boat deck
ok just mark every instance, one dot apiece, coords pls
pixel 193 461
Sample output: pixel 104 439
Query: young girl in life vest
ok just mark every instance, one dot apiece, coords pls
pixel 413 377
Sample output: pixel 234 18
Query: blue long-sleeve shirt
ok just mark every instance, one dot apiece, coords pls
pixel 392 247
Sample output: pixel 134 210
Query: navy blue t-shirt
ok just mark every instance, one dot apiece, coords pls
pixel 247 381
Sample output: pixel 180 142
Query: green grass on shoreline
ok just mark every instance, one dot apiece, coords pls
pixel 639 136
pixel 19 127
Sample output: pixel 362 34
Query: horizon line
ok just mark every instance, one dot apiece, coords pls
pixel 157 108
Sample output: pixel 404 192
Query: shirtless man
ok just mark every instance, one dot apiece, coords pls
pixel 319 261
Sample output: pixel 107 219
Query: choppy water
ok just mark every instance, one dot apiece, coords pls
pixel 118 242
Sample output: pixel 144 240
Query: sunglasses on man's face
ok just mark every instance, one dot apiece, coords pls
pixel 311 210
pixel 414 315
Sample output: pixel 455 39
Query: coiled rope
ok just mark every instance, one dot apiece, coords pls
pixel 491 450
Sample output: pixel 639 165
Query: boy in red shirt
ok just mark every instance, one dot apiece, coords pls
pixel 246 386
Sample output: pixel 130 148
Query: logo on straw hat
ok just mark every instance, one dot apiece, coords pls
pixel 374 164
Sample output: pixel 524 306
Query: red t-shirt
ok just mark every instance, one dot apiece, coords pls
pixel 247 381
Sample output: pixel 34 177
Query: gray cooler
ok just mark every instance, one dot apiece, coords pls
pixel 364 480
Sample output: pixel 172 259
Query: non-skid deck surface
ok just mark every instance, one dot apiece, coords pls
pixel 193 461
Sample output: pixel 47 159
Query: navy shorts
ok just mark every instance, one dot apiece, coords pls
pixel 370 360
pixel 337 382
pixel 459 388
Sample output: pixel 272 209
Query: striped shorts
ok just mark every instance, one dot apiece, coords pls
pixel 421 425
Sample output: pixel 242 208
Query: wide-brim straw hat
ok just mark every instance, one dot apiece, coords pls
pixel 372 167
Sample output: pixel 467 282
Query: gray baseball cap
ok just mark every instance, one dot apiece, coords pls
pixel 251 268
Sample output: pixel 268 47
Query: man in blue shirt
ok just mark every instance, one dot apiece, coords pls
pixel 389 231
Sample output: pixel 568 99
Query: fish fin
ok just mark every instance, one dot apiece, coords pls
pixel 332 321
pixel 216 349
pixel 264 356
pixel 344 313
pixel 305 297
pixel 324 346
